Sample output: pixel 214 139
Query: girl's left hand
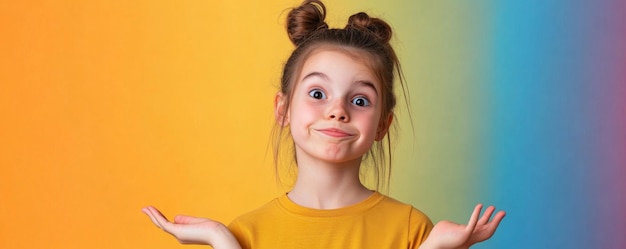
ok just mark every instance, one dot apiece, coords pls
pixel 449 235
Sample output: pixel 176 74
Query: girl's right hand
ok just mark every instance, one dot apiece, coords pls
pixel 194 230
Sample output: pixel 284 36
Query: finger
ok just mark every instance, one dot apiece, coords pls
pixel 150 210
pixel 486 215
pixel 149 213
pixel 471 224
pixel 495 222
pixel 159 219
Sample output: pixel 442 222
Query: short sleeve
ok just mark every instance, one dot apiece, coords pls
pixel 239 233
pixel 419 228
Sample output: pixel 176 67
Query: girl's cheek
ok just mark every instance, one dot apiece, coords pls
pixel 311 105
pixel 312 109
pixel 306 108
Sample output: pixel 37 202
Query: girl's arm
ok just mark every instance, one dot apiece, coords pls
pixel 449 235
pixel 194 230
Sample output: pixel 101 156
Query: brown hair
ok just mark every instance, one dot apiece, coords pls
pixel 363 36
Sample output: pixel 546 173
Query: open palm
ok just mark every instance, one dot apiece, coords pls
pixel 449 235
pixel 194 230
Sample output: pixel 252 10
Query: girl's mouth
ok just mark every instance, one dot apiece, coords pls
pixel 335 132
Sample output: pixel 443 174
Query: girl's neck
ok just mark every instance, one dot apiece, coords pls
pixel 323 185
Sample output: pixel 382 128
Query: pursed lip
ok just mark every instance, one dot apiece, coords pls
pixel 334 132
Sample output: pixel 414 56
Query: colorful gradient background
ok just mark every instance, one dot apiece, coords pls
pixel 108 106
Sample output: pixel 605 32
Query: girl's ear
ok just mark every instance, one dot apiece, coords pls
pixel 383 127
pixel 280 110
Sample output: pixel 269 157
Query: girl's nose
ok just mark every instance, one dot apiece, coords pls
pixel 340 117
pixel 338 112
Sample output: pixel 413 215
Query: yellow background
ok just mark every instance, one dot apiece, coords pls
pixel 109 106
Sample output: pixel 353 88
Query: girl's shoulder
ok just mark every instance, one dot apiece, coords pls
pixel 418 223
pixel 267 210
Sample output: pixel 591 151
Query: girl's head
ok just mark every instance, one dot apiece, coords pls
pixel 364 39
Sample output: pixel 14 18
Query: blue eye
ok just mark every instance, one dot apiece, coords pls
pixel 317 94
pixel 360 101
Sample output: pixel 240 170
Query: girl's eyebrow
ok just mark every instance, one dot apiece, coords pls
pixel 368 84
pixel 318 74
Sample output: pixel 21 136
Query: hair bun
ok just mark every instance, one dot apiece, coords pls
pixel 375 26
pixel 305 20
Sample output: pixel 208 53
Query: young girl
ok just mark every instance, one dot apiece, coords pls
pixel 336 102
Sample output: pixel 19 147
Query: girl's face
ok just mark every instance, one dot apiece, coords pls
pixel 335 110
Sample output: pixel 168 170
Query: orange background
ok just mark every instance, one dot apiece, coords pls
pixel 108 106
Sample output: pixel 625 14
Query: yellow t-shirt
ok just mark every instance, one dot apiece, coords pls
pixel 377 222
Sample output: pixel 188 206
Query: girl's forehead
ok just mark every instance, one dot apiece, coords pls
pixel 340 50
pixel 332 58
